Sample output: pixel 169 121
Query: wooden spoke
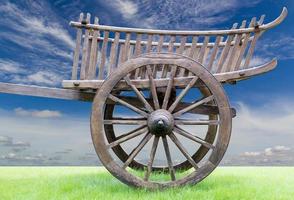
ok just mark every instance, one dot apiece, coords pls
pixel 135 152
pixel 168 158
pixel 182 94
pixel 126 121
pixel 193 137
pixel 196 122
pixel 137 110
pixel 139 94
pixel 169 87
pixel 128 136
pixel 153 88
pixel 152 155
pixel 183 150
pixel 194 105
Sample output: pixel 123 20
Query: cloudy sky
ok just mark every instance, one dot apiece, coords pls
pixel 36 48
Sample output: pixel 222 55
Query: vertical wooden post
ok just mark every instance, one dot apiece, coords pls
pixel 85 50
pixel 113 53
pixel 243 44
pixel 235 50
pixel 103 55
pixel 218 39
pixel 225 51
pixel 93 55
pixel 253 43
pixel 75 65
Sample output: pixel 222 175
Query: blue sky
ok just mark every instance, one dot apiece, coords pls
pixel 36 46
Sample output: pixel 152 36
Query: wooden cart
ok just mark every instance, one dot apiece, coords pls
pixel 166 86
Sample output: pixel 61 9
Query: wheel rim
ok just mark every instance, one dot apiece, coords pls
pixel 217 150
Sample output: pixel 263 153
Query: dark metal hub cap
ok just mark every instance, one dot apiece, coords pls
pixel 160 122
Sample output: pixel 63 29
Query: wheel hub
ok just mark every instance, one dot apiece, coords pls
pixel 160 122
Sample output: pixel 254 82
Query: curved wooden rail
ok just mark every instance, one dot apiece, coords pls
pixel 270 25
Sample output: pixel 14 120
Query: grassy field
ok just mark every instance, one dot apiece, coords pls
pixel 96 183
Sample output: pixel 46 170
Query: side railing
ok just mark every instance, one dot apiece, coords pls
pixel 100 49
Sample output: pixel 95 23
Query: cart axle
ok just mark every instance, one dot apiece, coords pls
pixel 160 122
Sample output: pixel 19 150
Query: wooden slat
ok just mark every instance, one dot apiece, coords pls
pixel 235 50
pixel 202 50
pixel 85 50
pixel 131 51
pixel 214 52
pixel 121 53
pixel 225 51
pixel 103 55
pixel 138 52
pixel 180 50
pixel 160 43
pixel 113 53
pixel 149 43
pixel 75 65
pixel 253 43
pixel 170 50
pixel 159 49
pixel 126 47
pixel 244 43
pixel 148 50
pixel 192 53
pixel 93 55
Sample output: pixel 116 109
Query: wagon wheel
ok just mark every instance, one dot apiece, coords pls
pixel 123 155
pixel 161 122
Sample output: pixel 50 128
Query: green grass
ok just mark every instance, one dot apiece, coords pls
pixel 96 183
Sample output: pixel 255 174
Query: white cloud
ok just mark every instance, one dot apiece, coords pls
pixel 126 7
pixel 23 22
pixel 178 14
pixel 282 148
pixel 37 113
pixel 39 78
pixel 10 66
pixel 269 118
pixel 278 46
pixel 251 153
pixel 46 47
pixel 48 78
pixel 257 60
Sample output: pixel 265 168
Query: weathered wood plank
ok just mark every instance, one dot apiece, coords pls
pixel 214 52
pixel 202 50
pixel 113 53
pixel 47 92
pixel 225 51
pixel 235 50
pixel 170 50
pixel 93 53
pixel 243 44
pixel 180 50
pixel 85 50
pixel 253 43
pixel 74 75
pixel 138 52
pixel 126 47
pixel 103 55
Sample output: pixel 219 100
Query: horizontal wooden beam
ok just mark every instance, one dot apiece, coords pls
pixel 178 81
pixel 37 91
pixel 69 94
